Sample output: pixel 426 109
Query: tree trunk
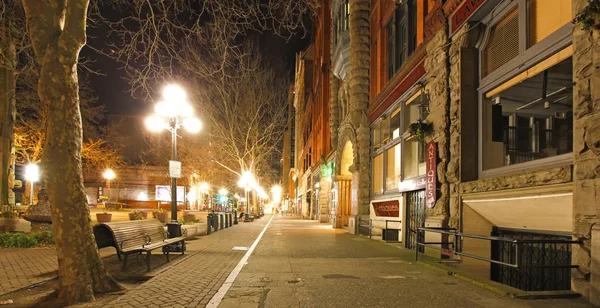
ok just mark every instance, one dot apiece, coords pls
pixel 360 58
pixel 7 97
pixel 57 31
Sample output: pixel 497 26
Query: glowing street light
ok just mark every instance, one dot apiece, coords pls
pixel 32 174
pixel 276 191
pixel 172 114
pixel 247 182
pixel 109 175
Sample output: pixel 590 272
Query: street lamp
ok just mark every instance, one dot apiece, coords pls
pixel 172 114
pixel 247 182
pixel 32 174
pixel 109 175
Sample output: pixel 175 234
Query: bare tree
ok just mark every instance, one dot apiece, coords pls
pixel 58 32
pixel 244 108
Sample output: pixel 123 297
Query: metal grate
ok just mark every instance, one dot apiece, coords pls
pixel 502 44
pixel 415 217
pixel 545 266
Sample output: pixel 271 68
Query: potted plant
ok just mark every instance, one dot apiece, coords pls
pixel 161 215
pixel 103 217
pixel 9 218
pixel 188 216
pixel 136 215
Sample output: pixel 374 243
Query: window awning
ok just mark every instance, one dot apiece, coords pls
pixel 541 212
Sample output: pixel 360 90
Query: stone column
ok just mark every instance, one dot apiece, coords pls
pixel 586 151
pixel 437 91
pixel 360 37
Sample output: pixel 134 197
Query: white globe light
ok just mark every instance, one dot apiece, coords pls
pixel 183 109
pixel 192 125
pixel 174 93
pixel 32 172
pixel 109 174
pixel 155 123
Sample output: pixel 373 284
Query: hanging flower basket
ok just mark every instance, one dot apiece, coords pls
pixel 417 130
pixel 589 17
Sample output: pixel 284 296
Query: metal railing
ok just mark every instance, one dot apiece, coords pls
pixel 366 223
pixel 458 237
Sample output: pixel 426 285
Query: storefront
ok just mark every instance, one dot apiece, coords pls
pixel 398 166
pixel 521 186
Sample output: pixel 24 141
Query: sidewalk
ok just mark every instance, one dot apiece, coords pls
pixel 193 281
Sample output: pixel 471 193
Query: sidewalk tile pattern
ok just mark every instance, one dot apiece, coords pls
pixel 195 280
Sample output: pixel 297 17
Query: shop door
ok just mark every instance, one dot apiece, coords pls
pixel 344 203
pixel 415 216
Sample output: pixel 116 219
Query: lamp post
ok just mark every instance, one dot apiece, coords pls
pixel 109 175
pixel 246 182
pixel 171 115
pixel 32 174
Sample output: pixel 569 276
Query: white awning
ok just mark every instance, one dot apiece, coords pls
pixel 542 212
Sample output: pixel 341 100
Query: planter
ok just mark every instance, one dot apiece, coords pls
pixel 201 228
pixel 162 217
pixel 191 232
pixel 136 216
pixel 9 224
pixel 189 217
pixel 103 217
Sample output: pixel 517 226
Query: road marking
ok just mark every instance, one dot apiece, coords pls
pixel 218 297
pixel 239 248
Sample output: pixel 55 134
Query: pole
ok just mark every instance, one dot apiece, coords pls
pixel 173 179
pixel 31 194
pixel 173 226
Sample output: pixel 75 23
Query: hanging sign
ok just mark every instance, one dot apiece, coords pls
pixel 175 169
pixel 387 208
pixel 463 13
pixel 431 175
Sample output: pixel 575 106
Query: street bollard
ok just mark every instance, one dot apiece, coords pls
pixel 221 221
pixel 230 220
pixel 208 224
pixel 215 222
pixel 235 222
pixel 227 222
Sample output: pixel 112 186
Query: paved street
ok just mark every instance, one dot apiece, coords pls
pixel 296 263
pixel 307 264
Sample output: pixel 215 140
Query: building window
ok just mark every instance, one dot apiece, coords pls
pixel 378 174
pixel 341 22
pixel 392 149
pixel 502 43
pixel 401 33
pixel 545 17
pixel 414 148
pixel 531 119
pixel 392 174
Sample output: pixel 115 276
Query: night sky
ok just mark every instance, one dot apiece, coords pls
pixel 112 89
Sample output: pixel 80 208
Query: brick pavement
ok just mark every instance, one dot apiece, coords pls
pixel 193 281
pixel 20 268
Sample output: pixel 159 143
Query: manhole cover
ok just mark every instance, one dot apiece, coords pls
pixel 339 276
pixel 239 248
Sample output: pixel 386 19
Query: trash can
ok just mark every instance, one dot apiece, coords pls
pixel 209 223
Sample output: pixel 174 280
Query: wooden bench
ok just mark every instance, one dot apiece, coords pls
pixel 136 236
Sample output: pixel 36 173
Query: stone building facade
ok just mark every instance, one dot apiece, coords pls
pixel 479 116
